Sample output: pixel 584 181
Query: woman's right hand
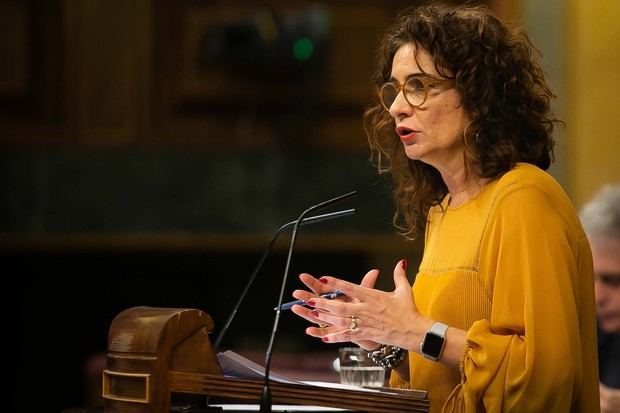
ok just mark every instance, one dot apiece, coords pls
pixel 317 289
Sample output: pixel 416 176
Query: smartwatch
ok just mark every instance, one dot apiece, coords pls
pixel 434 340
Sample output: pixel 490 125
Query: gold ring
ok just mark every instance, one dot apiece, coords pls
pixel 323 325
pixel 353 323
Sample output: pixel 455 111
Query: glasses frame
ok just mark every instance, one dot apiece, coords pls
pixel 427 81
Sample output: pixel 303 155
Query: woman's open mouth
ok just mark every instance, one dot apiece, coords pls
pixel 406 134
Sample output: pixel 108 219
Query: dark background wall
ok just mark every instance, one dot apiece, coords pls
pixel 148 149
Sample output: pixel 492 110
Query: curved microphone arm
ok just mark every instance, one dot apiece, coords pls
pixel 265 402
pixel 307 221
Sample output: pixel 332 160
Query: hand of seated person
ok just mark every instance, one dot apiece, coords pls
pixel 610 399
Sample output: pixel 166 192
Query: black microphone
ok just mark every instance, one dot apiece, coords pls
pixel 306 221
pixel 265 401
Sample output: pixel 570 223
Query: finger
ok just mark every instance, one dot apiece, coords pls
pixel 348 330
pixel 314 332
pixel 400 276
pixel 305 313
pixel 336 308
pixel 303 295
pixel 311 282
pixel 350 289
pixel 313 316
pixel 370 279
pixel 329 318
pixel 341 336
pixel 319 331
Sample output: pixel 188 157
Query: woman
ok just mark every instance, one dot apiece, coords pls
pixel 502 312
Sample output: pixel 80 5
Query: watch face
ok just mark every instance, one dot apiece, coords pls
pixel 432 345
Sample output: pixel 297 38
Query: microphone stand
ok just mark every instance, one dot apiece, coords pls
pixel 307 221
pixel 265 401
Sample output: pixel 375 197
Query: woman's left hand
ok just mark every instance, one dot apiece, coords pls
pixel 319 288
pixel 370 314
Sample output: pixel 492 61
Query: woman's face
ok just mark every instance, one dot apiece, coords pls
pixel 433 132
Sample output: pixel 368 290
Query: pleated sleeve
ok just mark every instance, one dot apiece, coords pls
pixel 536 352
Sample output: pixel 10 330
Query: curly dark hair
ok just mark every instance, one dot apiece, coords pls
pixel 503 90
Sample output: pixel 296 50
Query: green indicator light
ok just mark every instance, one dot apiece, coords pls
pixel 303 48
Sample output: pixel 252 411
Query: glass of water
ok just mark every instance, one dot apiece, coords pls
pixel 357 369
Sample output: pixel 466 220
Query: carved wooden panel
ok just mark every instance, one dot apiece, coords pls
pixel 30 73
pixel 107 69
pixel 14 47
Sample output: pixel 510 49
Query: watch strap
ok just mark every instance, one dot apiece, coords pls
pixel 439 329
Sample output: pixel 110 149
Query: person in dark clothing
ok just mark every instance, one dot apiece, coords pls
pixel 601 221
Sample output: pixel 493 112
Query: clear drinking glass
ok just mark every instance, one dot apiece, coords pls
pixel 359 370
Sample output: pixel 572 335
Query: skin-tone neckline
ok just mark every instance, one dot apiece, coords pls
pixel 467 191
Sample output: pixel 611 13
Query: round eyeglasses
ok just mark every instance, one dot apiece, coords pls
pixel 415 90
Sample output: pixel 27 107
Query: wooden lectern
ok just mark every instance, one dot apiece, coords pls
pixel 153 352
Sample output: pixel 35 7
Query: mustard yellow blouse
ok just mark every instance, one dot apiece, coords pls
pixel 513 268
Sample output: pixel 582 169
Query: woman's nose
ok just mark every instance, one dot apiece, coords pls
pixel 400 106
